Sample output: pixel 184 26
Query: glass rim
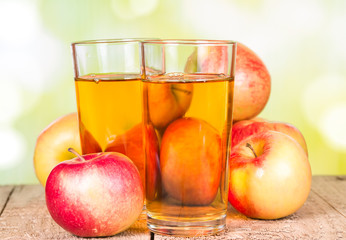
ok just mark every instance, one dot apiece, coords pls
pixel 189 42
pixel 112 40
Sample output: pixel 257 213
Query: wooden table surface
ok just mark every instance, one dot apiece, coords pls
pixel 23 215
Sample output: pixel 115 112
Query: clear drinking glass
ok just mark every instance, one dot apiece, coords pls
pixel 187 115
pixel 109 97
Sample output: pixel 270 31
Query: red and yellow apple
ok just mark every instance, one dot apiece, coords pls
pixel 131 144
pixel 252 83
pixel 168 102
pixel 190 161
pixel 95 195
pixel 52 144
pixel 270 176
pixel 213 59
pixel 246 128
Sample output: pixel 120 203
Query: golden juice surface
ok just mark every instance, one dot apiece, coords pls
pixel 108 106
pixel 110 115
pixel 188 122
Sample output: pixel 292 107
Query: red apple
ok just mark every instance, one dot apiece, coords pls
pixel 190 161
pixel 251 86
pixel 270 176
pixel 246 128
pixel 95 195
pixel 131 143
pixel 252 80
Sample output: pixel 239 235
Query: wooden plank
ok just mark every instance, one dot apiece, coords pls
pixel 322 217
pixel 316 219
pixel 333 190
pixel 26 217
pixel 5 194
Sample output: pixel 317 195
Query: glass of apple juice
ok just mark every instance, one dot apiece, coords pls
pixel 109 97
pixel 187 116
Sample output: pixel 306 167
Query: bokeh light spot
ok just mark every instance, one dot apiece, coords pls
pixel 333 126
pixel 143 7
pixel 10 102
pixel 12 147
pixel 132 9
pixel 19 19
pixel 122 9
pixel 321 95
pixel 32 67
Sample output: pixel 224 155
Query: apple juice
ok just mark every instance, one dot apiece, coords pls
pixel 188 120
pixel 110 115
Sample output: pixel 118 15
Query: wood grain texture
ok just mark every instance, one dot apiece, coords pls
pixel 5 194
pixel 26 217
pixel 333 190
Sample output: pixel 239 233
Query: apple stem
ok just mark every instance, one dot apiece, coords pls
pixel 253 150
pixel 77 154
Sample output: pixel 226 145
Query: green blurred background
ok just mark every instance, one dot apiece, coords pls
pixel 301 42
